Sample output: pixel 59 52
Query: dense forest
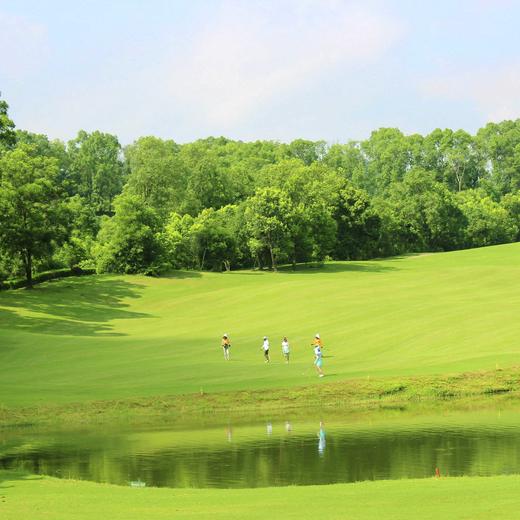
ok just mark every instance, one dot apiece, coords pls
pixel 219 204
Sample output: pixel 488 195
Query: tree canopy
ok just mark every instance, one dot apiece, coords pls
pixel 223 204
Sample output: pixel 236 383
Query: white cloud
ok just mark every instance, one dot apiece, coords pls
pixel 492 92
pixel 251 53
pixel 23 46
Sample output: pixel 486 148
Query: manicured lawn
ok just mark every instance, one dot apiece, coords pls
pixel 451 498
pixel 112 337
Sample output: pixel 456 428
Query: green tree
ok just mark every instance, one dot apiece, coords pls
pixel 307 152
pixel 349 161
pixel 208 186
pixel 177 242
pixel 33 214
pixel 500 146
pixel 388 158
pixel 213 238
pixel 462 161
pixel 358 225
pixel 420 214
pixel 488 222
pixel 96 169
pixel 267 217
pixel 129 242
pixel 7 133
pixel 157 175
pixel 511 203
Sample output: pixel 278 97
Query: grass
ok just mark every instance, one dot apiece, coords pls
pixel 130 337
pixel 365 395
pixel 454 498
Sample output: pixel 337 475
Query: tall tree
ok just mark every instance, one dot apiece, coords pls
pixel 358 225
pixel 129 242
pixel 388 157
pixel 156 174
pixel 307 151
pixel 97 169
pixel 33 215
pixel 488 222
pixel 267 215
pixel 500 146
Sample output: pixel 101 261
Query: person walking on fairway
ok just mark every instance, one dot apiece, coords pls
pixel 226 344
pixel 285 349
pixel 265 348
pixel 318 357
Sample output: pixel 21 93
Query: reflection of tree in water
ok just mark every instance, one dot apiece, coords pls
pixel 275 461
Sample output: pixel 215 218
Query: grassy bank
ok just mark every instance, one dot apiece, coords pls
pixel 131 338
pixel 453 498
pixel 359 395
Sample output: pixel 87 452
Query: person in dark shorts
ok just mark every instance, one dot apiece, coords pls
pixel 265 348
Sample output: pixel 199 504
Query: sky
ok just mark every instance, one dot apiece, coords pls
pixel 258 69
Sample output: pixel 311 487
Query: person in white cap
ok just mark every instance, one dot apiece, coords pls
pixel 285 349
pixel 265 348
pixel 226 344
pixel 318 357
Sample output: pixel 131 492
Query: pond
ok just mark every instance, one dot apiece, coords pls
pixel 275 452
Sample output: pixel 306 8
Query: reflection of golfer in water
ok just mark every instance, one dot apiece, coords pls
pixel 321 440
pixel 269 428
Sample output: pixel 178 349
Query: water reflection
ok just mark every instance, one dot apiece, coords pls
pixel 322 442
pixel 273 453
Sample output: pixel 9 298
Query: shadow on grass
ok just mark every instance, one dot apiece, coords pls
pixel 80 307
pixel 180 275
pixel 339 267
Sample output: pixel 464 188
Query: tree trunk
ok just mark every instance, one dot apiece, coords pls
pixel 273 261
pixel 28 268
pixel 202 259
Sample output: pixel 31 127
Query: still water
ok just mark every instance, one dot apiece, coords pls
pixel 275 452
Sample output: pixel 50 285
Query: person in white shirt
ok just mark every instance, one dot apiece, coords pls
pixel 318 360
pixel 285 349
pixel 265 348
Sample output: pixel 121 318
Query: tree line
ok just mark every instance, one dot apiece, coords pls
pixel 221 204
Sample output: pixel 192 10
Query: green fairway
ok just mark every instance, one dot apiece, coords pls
pixel 110 337
pixel 453 498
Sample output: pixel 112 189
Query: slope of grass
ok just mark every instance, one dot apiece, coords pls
pixel 453 498
pixel 485 388
pixel 115 337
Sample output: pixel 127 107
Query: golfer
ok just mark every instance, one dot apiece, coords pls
pixel 265 348
pixel 226 344
pixel 285 349
pixel 318 360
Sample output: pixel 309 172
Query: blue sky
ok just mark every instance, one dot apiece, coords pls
pixel 251 69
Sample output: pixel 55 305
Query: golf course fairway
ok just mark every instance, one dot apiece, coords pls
pixel 107 337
